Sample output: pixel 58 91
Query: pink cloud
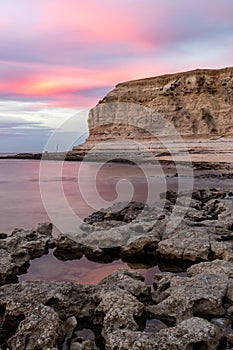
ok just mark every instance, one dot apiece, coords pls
pixel 66 48
pixel 92 21
pixel 67 85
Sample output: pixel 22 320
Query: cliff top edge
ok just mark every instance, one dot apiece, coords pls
pixel 176 75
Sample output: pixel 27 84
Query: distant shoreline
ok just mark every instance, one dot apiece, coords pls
pixel 70 156
pixel 73 156
pixel 46 156
pixel 62 156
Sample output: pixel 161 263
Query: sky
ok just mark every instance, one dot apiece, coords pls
pixel 59 58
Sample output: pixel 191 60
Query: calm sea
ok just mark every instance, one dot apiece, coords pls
pixel 79 187
pixel 67 195
pixel 22 206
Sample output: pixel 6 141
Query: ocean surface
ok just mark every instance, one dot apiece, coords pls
pixel 23 184
pixel 31 192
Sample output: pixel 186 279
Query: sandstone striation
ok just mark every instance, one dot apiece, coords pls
pixel 195 105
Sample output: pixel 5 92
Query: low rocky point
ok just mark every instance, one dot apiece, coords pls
pixel 188 310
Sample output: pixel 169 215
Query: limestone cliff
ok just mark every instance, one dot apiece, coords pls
pixel 198 103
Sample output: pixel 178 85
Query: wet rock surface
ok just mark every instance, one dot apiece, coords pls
pixel 111 315
pixel 18 248
pixel 204 230
pixel 190 311
pixel 123 212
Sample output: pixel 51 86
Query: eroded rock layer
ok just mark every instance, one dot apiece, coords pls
pixel 195 104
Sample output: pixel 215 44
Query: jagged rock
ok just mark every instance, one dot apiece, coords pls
pixel 194 333
pixel 186 243
pixel 197 242
pixel 123 212
pixel 82 345
pixel 133 282
pixel 214 267
pixel 222 323
pixel 224 211
pixel 70 325
pixel 162 282
pixel 186 297
pixel 41 327
pixel 120 309
pixel 19 247
pixel 44 315
pixel 230 339
pixel 114 238
pixel 107 244
pixel 197 215
pixel 204 234
pixel 41 315
pixel 206 194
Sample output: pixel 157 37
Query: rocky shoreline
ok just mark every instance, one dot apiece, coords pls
pixel 67 156
pixel 192 310
pixel 125 158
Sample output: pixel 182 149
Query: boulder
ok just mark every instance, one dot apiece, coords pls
pixel 18 248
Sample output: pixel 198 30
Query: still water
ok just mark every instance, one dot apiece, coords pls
pixel 70 192
pixel 21 184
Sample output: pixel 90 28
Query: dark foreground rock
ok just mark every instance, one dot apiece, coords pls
pixel 192 311
pixel 18 248
pixel 114 314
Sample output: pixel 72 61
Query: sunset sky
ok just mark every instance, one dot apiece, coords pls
pixel 60 57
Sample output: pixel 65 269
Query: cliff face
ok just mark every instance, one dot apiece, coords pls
pixel 198 103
